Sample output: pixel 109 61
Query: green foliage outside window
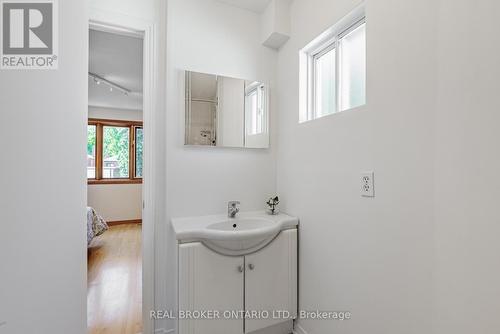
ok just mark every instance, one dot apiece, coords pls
pixel 139 144
pixel 91 139
pixel 116 146
pixel 116 151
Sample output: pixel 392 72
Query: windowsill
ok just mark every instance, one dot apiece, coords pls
pixel 115 181
pixel 360 107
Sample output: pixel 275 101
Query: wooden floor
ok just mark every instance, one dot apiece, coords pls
pixel 114 296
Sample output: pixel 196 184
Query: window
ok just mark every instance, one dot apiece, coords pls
pixel 91 151
pixel 333 69
pixel 139 144
pixel 324 82
pixel 255 104
pixel 353 68
pixel 114 151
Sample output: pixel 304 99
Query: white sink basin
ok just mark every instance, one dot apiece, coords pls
pixel 247 225
pixel 245 234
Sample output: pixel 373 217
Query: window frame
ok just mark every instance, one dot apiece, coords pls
pixel 326 42
pixel 325 48
pixel 95 151
pixel 343 34
pixel 100 124
pixel 134 129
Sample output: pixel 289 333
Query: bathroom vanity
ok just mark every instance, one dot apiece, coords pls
pixel 237 275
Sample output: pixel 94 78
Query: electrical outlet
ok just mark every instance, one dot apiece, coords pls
pixel 367 185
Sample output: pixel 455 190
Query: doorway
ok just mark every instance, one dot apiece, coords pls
pixel 117 169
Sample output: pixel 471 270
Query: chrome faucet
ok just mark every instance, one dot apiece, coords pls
pixel 233 209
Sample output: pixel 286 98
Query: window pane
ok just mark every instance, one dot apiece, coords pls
pixel 353 69
pixel 116 152
pixel 91 151
pixel 324 84
pixel 255 111
pixel 259 119
pixel 139 144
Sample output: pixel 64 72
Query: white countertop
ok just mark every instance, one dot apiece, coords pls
pixel 188 228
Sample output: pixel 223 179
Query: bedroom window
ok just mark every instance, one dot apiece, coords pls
pixel 114 151
pixel 91 151
pixel 333 69
pixel 139 144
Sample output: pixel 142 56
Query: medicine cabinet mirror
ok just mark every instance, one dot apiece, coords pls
pixel 226 112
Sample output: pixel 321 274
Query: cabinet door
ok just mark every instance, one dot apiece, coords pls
pixel 209 282
pixel 271 281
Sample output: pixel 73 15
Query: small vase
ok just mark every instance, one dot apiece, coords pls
pixel 273 212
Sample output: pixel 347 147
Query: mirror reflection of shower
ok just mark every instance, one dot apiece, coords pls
pixel 226 112
pixel 201 104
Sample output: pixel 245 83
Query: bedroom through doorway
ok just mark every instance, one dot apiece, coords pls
pixel 115 146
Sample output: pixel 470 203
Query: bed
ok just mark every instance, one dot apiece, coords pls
pixel 95 225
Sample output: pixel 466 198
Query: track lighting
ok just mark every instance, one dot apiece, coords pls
pixel 98 79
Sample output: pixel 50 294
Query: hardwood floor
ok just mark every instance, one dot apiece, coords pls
pixel 114 296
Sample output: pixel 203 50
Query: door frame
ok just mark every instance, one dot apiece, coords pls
pixel 118 23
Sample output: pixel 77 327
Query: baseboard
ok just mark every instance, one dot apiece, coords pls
pixel 281 328
pixel 123 222
pixel 297 329
pixel 164 331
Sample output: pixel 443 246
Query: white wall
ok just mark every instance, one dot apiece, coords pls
pixel 116 202
pixel 43 192
pixel 144 9
pixel 211 37
pixel 467 164
pixel 112 113
pixel 202 180
pixel 372 257
pixel 275 23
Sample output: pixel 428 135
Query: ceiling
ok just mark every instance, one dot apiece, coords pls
pixel 117 58
pixel 257 6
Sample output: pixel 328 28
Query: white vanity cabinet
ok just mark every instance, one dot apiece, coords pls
pixel 209 282
pixel 271 281
pixel 265 280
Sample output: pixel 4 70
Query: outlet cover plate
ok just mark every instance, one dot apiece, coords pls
pixel 367 184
